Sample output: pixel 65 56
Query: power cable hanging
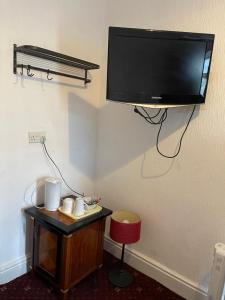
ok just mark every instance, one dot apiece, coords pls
pixel 163 117
pixel 57 168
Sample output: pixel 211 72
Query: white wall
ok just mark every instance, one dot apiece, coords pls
pixel 181 201
pixel 63 108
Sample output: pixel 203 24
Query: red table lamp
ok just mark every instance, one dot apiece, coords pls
pixel 125 228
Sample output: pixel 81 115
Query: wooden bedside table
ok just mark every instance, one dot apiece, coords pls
pixel 66 250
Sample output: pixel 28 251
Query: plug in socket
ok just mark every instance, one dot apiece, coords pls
pixel 36 137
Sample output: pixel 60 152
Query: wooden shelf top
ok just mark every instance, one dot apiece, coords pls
pixel 63 223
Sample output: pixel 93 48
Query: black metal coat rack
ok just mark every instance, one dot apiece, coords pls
pixel 50 62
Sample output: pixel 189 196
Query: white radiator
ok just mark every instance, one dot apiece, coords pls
pixel 217 280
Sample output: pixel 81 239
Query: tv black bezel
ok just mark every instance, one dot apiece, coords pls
pixel 137 98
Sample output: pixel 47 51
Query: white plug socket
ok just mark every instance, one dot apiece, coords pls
pixel 36 137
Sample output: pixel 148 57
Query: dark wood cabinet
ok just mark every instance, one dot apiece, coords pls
pixel 64 250
pixel 46 251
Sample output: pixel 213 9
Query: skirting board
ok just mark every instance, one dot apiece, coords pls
pixel 14 269
pixel 167 277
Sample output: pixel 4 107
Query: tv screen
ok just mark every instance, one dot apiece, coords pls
pixel 158 67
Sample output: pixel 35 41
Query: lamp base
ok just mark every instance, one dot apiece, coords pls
pixel 120 277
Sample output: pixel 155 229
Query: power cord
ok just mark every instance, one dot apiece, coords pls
pixel 163 117
pixel 150 119
pixel 180 142
pixel 57 168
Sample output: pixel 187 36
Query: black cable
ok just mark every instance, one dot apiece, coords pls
pixel 163 117
pixel 180 142
pixel 55 165
pixel 149 118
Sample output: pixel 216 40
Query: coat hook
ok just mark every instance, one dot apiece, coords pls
pixel 85 79
pixel 21 72
pixel 28 72
pixel 48 75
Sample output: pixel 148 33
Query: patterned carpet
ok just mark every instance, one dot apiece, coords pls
pixel 94 287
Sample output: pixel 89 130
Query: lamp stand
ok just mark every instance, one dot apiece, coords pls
pixel 120 277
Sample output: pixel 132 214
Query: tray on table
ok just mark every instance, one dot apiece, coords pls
pixel 87 213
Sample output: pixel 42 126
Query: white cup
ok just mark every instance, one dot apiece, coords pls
pixel 79 207
pixel 68 205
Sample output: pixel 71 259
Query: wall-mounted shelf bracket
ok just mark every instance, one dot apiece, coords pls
pixel 39 59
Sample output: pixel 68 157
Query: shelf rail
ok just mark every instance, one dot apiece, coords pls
pixel 47 55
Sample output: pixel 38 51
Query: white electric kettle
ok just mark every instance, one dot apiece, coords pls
pixel 52 193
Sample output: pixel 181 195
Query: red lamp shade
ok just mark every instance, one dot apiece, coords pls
pixel 125 227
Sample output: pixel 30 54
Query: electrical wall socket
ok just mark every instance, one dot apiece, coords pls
pixel 36 137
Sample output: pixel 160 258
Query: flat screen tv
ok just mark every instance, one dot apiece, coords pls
pixel 158 68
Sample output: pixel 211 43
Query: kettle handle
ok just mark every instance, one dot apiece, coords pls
pixel 32 195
